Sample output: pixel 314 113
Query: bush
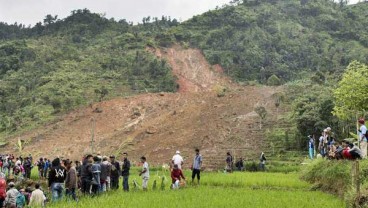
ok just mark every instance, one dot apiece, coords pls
pixel 273 81
pixel 251 166
pixel 330 176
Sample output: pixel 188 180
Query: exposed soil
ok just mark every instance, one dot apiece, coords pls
pixel 156 125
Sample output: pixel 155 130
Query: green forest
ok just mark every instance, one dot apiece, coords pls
pixel 306 45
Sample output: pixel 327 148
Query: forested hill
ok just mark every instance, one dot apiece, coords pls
pixel 257 39
pixel 60 64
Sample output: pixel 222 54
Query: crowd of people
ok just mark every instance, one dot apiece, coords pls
pixel 330 148
pixel 95 174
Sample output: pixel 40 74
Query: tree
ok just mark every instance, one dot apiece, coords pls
pixel 101 93
pixel 279 98
pixel 262 113
pixel 49 19
pixel 273 81
pixel 351 96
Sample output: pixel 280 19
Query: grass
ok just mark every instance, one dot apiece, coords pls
pixel 218 190
pixel 256 180
pixel 209 197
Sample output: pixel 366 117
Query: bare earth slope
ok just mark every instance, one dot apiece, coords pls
pixel 156 125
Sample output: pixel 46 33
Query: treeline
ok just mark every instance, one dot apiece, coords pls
pixel 58 65
pixel 256 39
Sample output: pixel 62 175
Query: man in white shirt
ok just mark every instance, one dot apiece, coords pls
pixel 362 137
pixel 145 173
pixel 37 197
pixel 177 160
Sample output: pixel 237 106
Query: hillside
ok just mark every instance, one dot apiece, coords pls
pixel 156 125
pixel 254 40
pixel 51 72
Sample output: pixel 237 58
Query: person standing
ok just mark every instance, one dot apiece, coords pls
pixel 262 163
pixel 177 159
pixel 71 180
pixel 27 165
pixel 125 172
pixel 105 174
pixel 115 172
pixel 229 162
pixel 2 189
pixel 144 173
pixel 96 175
pixel 21 199
pixel 311 147
pixel 240 164
pixel 363 137
pixel 196 166
pixel 40 165
pixel 86 174
pixel 37 197
pixel 11 196
pixel 321 145
pixel 57 176
pixel 46 167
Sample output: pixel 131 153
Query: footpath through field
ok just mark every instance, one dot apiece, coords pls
pixel 220 190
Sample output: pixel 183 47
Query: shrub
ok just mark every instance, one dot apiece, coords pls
pixel 273 81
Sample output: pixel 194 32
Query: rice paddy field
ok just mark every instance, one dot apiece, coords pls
pixel 240 189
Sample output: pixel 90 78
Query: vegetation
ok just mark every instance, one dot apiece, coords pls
pixel 338 177
pixel 351 95
pixel 254 40
pixel 60 64
pixel 84 58
pixel 255 190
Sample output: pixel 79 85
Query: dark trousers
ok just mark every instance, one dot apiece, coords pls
pixel 28 172
pixel 197 173
pixel 126 183
pixel 96 188
pixel 86 185
pixel 71 193
pixel 114 182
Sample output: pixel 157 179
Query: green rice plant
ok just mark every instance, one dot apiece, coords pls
pixel 209 197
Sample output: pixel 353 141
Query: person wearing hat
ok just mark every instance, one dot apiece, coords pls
pixel 11 196
pixel 115 172
pixel 177 159
pixel 363 137
pixel 70 180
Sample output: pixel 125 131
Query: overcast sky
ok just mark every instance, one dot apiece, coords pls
pixel 33 11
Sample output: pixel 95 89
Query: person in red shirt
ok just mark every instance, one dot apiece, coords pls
pixel 176 176
pixel 2 189
pixel 346 151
